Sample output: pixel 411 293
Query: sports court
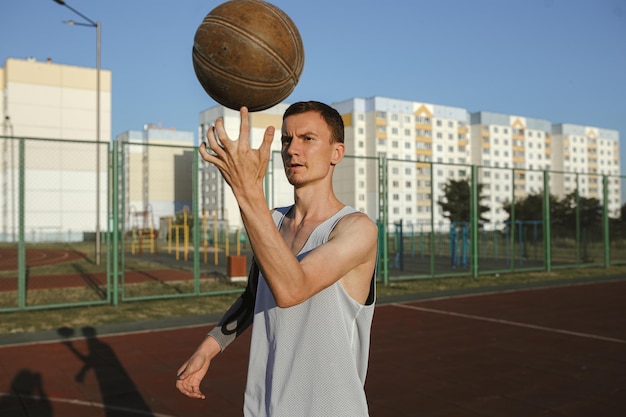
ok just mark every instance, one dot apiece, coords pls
pixel 551 351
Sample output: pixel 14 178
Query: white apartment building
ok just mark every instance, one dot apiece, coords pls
pixel 414 138
pixel 425 145
pixel 585 154
pixel 501 142
pixel 47 100
pixel 401 131
pixel 158 175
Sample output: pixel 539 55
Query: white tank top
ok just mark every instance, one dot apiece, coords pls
pixel 310 359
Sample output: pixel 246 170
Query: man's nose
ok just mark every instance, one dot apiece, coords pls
pixel 293 148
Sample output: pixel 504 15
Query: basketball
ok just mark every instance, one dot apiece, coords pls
pixel 248 53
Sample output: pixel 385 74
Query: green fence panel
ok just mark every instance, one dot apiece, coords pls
pixel 165 230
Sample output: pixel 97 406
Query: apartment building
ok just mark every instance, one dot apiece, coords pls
pixel 425 145
pixel 513 152
pixel 585 154
pixel 403 132
pixel 157 174
pixel 46 100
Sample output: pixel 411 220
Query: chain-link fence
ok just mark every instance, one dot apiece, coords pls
pixel 165 225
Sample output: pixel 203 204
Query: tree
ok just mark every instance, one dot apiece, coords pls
pixel 456 201
pixel 589 219
pixel 589 211
pixel 530 208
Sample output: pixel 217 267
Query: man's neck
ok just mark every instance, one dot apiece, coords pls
pixel 310 204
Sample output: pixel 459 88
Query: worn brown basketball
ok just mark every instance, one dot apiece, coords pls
pixel 248 53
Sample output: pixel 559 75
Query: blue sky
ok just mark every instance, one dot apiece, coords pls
pixel 560 60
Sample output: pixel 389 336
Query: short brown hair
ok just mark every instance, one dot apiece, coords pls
pixel 330 115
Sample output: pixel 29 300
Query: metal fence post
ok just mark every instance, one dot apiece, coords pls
pixel 110 220
pixel 474 213
pixel 605 221
pixel 116 223
pixel 383 251
pixel 195 197
pixel 577 200
pixel 512 222
pixel 21 245
pixel 547 230
pixel 432 220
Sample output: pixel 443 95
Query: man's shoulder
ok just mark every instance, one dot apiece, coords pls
pixel 355 221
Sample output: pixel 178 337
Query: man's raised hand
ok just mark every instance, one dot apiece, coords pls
pixel 241 166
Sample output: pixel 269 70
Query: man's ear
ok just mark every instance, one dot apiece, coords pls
pixel 338 153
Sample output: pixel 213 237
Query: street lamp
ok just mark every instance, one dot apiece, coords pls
pixel 98 26
pixel 8 160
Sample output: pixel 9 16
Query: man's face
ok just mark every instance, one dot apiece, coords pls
pixel 307 151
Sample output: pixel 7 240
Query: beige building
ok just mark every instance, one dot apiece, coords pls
pixel 43 101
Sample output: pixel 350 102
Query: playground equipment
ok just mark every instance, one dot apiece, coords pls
pixel 459 253
pixel 521 227
pixel 142 230
pixel 174 232
pixel 215 237
pixel 214 242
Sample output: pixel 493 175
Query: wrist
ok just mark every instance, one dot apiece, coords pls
pixel 209 347
pixel 250 198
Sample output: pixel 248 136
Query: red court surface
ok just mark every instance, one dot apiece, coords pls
pixel 557 351
pixel 37 257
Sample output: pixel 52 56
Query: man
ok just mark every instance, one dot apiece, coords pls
pixel 311 287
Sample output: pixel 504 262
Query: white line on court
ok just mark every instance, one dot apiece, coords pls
pixel 86 404
pixel 510 323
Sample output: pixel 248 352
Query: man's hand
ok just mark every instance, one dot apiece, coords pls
pixel 190 375
pixel 241 166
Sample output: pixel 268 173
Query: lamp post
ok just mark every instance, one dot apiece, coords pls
pixel 98 26
pixel 8 160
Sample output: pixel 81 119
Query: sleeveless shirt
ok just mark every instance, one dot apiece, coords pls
pixel 310 359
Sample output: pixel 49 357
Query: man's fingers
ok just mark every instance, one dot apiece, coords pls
pixel 244 127
pixel 219 131
pixel 206 155
pixel 266 145
pixel 212 140
pixel 189 390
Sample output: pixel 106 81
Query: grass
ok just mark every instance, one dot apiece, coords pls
pixel 50 319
